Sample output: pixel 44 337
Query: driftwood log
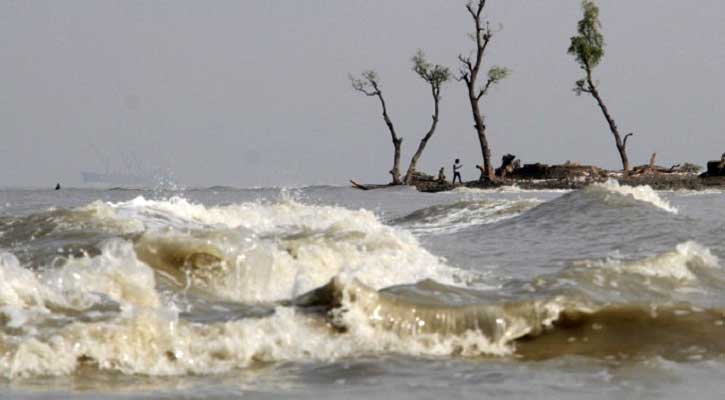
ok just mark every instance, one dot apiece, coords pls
pixel 358 186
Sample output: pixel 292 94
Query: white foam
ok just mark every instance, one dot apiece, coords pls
pixel 505 189
pixel 642 193
pixel 19 287
pixel 696 193
pixel 254 216
pixel 153 342
pixel 276 268
pixel 363 317
pixel 446 219
pixel 681 263
pixel 116 274
pixel 278 251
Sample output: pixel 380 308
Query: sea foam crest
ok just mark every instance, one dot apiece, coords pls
pixel 681 263
pixel 266 252
pixel 153 342
pixel 19 287
pixel 255 216
pixel 504 189
pixel 642 193
pixel 454 217
pixel 116 274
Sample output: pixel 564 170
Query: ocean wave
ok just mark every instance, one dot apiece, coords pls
pixel 454 217
pixel 346 318
pixel 152 341
pixel 504 189
pixel 253 268
pixel 585 209
pixel 76 283
pixel 697 193
pixel 641 193
pixel 95 218
pixel 540 327
pixel 689 273
pixel 256 252
pixel 366 322
pixel 683 263
pixel 258 217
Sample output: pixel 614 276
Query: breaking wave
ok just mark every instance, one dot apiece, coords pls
pixel 454 217
pixel 505 189
pixel 184 288
pixel 268 252
pixel 683 263
pixel 642 193
pixel 250 252
pixel 107 312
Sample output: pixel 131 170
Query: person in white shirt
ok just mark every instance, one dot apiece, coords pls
pixel 456 171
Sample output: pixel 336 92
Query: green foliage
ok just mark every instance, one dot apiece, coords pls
pixel 588 46
pixel 370 75
pixel 436 74
pixel 497 74
pixel 367 82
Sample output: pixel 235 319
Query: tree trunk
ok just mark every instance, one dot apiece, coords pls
pixel 481 130
pixel 482 38
pixel 397 141
pixel 651 165
pixel 621 145
pixel 395 172
pixel 424 141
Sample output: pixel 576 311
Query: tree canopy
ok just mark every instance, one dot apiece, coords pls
pixel 588 46
pixel 436 74
pixel 367 83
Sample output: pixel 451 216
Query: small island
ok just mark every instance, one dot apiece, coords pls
pixel 587 49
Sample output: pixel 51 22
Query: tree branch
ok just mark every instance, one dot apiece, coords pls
pixel 469 7
pixel 466 61
pixel 464 72
pixel 626 137
pixel 483 91
pixel 365 92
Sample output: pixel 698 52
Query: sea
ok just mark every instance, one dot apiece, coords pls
pixel 328 292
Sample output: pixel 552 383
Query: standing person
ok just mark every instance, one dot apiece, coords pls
pixel 456 171
pixel 442 175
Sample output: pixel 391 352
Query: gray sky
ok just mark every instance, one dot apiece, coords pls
pixel 255 92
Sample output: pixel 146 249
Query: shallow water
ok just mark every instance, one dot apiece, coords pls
pixel 324 292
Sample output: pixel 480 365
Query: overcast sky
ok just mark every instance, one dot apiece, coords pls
pixel 255 92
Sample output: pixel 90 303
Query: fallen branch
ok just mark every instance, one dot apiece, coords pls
pixel 358 186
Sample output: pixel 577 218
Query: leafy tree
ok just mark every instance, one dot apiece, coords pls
pixel 469 73
pixel 369 84
pixel 436 76
pixel 587 47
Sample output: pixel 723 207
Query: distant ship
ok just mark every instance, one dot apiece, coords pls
pixel 133 172
pixel 116 178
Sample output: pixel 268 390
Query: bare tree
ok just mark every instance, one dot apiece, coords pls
pixel 588 49
pixel 436 76
pixel 469 74
pixel 369 85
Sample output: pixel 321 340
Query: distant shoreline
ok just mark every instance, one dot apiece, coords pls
pixel 660 181
pixel 655 181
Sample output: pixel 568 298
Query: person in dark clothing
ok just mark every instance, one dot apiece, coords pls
pixel 57 186
pixel 457 171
